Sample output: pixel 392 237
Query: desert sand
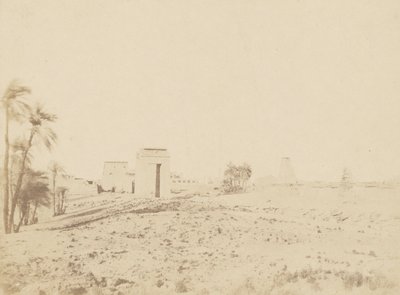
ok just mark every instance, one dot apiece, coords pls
pixel 284 240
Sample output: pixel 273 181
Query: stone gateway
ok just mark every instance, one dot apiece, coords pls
pixel 152 177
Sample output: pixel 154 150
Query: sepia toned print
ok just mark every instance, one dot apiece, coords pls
pixel 200 147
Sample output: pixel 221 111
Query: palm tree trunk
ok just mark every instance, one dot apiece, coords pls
pixel 62 210
pixel 59 206
pixel 19 182
pixel 28 211
pixel 16 229
pixel 54 194
pixel 34 213
pixel 10 181
pixel 6 175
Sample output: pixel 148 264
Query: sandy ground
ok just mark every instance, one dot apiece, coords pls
pixel 282 241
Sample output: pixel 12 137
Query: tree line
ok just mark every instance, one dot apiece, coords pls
pixel 22 186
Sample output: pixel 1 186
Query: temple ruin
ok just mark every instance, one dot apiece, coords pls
pixel 152 178
pixel 116 177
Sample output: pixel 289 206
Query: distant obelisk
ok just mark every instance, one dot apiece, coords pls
pixel 286 173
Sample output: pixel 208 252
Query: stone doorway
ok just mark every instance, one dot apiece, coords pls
pixel 152 173
pixel 158 169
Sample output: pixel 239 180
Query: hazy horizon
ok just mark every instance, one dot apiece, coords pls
pixel 214 82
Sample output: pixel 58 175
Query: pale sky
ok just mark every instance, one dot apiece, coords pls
pixel 214 81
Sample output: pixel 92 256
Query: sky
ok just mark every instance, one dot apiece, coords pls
pixel 213 81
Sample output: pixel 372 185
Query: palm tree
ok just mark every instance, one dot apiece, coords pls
pixel 35 191
pixel 55 170
pixel 40 132
pixel 245 174
pixel 62 193
pixel 14 108
pixel 17 148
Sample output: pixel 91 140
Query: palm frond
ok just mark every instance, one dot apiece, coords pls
pixel 19 144
pixel 35 188
pixel 56 168
pixel 18 147
pixel 15 103
pixel 45 136
pixel 15 90
pixel 19 110
pixel 39 116
pixel 62 189
pixel 36 191
pixel 48 117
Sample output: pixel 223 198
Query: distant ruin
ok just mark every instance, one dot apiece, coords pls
pixel 150 179
pixel 116 177
pixel 152 173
